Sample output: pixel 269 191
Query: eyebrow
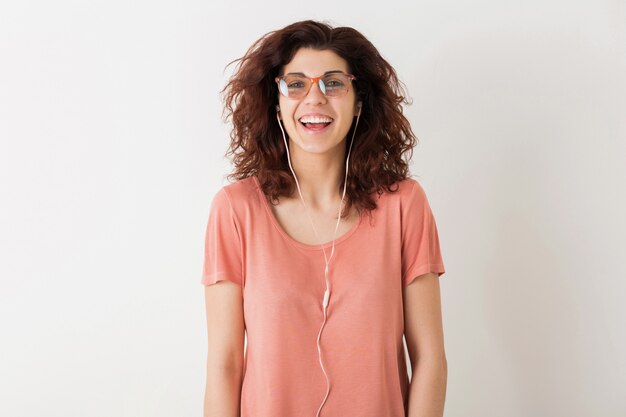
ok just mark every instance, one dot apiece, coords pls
pixel 327 72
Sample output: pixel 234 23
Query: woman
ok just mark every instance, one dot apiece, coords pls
pixel 318 138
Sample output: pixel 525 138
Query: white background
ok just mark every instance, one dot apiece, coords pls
pixel 112 148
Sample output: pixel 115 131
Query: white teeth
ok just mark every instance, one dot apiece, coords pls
pixel 309 119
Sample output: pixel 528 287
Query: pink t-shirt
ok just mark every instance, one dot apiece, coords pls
pixel 283 288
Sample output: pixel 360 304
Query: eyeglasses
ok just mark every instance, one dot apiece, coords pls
pixel 297 86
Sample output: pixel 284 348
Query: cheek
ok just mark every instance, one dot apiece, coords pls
pixel 288 115
pixel 347 114
pixel 284 108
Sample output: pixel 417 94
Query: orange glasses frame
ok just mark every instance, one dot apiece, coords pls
pixel 314 80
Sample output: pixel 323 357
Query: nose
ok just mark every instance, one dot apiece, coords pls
pixel 315 94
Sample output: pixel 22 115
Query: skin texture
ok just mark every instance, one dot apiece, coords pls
pixel 423 331
pixel 224 366
pixel 318 160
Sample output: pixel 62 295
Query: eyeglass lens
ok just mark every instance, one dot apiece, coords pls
pixel 332 85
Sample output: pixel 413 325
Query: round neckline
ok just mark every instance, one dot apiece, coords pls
pixel 288 237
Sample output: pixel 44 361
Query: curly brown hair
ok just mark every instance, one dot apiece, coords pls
pixel 384 134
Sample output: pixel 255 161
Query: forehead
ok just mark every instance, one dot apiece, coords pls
pixel 312 62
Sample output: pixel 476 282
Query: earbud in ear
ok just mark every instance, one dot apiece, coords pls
pixel 359 105
pixel 277 108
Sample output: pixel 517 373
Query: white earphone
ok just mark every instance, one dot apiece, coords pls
pixel 327 292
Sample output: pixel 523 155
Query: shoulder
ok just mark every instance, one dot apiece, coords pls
pixel 238 192
pixel 239 197
pixel 406 191
pixel 414 190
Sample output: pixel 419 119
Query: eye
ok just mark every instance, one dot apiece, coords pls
pixel 296 84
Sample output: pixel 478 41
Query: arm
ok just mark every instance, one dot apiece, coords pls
pixel 225 329
pixel 424 337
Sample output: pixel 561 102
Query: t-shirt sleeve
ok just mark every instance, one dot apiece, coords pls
pixel 420 241
pixel 222 243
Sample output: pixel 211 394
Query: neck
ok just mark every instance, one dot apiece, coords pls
pixel 320 177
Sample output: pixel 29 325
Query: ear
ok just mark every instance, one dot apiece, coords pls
pixel 278 112
pixel 357 108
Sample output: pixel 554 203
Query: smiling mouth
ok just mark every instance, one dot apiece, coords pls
pixel 315 127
